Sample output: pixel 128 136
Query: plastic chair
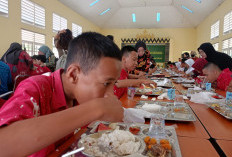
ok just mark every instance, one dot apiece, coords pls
pixel 18 79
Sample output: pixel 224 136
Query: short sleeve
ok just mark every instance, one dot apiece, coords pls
pixel 23 104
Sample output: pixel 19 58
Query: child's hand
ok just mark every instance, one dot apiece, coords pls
pixel 112 109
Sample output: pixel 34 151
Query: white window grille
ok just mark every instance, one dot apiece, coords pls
pixel 32 41
pixel 227 23
pixel 59 23
pixel 32 13
pixel 4 7
pixel 76 30
pixel 227 46
pixel 214 30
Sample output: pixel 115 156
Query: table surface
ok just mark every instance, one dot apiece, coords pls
pixel 226 146
pixel 192 136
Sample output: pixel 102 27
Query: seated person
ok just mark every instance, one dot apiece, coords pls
pixel 39 65
pixel 214 73
pixel 5 78
pixel 44 109
pixel 198 66
pixel 129 62
pixel 193 55
pixel 143 58
pixel 187 65
pixel 61 40
pixel 19 61
pixel 50 57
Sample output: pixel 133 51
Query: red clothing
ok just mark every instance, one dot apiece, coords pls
pixel 120 91
pixel 39 70
pixel 195 58
pixel 224 79
pixel 35 96
pixel 23 67
pixel 199 65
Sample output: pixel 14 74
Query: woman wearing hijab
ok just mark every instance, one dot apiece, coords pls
pixel 143 58
pixel 187 65
pixel 207 51
pixel 50 58
pixel 18 60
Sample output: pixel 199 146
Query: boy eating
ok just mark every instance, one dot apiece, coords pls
pixel 129 63
pixel 214 73
pixel 45 109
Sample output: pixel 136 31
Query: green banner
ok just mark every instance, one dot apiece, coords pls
pixel 158 52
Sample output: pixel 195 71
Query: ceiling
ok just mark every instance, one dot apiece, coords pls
pixel 172 15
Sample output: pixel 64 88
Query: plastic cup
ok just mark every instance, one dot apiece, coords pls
pixel 179 100
pixel 157 126
pixel 130 92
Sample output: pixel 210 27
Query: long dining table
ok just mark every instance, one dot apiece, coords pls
pixel 210 135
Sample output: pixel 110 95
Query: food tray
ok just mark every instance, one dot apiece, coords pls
pixel 180 112
pixel 187 85
pixel 222 109
pixel 170 136
pixel 166 85
pixel 150 91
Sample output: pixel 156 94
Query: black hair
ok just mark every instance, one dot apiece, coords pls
pixel 111 37
pixel 88 48
pixel 65 38
pixel 126 50
pixel 140 44
pixel 187 54
pixel 169 62
pixel 183 60
pixel 42 58
pixel 34 57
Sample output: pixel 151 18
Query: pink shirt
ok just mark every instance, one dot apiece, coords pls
pixel 35 96
pixel 120 91
pixel 224 79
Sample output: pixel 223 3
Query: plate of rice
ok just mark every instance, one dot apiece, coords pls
pixel 112 143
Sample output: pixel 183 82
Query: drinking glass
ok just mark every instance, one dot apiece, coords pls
pixel 157 126
pixel 130 92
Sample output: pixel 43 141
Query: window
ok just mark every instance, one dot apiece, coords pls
pixel 227 46
pixel 227 23
pixel 59 23
pixel 215 30
pixel 54 49
pixel 4 7
pixel 32 41
pixel 216 46
pixel 32 13
pixel 76 29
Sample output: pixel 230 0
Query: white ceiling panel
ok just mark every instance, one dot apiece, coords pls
pixel 172 15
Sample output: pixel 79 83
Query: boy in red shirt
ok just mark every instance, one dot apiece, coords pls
pixel 129 63
pixel 44 109
pixel 214 73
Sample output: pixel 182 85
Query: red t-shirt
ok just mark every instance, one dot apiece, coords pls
pixel 39 70
pixel 120 91
pixel 35 96
pixel 224 79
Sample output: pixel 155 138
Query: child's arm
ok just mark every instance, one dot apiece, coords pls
pixel 25 137
pixel 133 82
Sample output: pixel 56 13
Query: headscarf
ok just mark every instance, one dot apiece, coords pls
pixel 199 64
pixel 190 62
pixel 46 50
pixel 143 61
pixel 178 65
pixel 222 60
pixel 11 56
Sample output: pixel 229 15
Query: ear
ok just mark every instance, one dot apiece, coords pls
pixel 73 73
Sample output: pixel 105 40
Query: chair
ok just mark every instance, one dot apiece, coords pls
pixel 18 79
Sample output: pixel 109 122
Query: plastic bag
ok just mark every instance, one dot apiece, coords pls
pixel 205 97
pixel 132 115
